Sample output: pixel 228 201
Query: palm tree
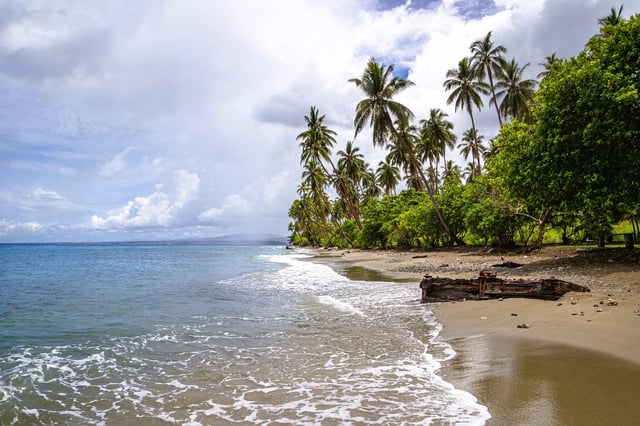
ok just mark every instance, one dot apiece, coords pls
pixel 315 180
pixel 352 168
pixel 470 171
pixel 351 163
pixel 310 213
pixel 550 63
pixel 370 188
pixel 486 60
pixel 516 92
pixel 465 88
pixel 427 146
pixel 388 176
pixel 404 140
pixel 451 171
pixel 437 132
pixel 316 143
pixel 471 145
pixel 398 157
pixel 614 18
pixel 378 110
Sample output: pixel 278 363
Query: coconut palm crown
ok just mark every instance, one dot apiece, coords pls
pixel 378 109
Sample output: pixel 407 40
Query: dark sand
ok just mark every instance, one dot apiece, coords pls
pixel 527 382
pixel 565 370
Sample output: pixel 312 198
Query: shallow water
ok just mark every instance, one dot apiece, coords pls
pixel 154 334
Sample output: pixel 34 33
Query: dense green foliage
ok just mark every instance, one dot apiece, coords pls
pixel 567 156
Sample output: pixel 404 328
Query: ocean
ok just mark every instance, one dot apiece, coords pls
pixel 193 334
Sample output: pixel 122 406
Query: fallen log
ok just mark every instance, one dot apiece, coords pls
pixel 489 286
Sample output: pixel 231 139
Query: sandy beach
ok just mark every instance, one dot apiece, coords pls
pixel 578 360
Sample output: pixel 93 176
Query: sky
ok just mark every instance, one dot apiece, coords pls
pixel 172 119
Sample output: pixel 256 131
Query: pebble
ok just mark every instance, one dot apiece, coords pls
pixel 483 318
pixel 514 315
pixel 523 325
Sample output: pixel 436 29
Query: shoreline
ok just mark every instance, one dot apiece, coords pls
pixel 582 320
pixel 577 363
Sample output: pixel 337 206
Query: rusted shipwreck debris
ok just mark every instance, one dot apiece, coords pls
pixel 489 286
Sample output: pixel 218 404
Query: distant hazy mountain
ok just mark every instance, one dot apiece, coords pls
pixel 246 240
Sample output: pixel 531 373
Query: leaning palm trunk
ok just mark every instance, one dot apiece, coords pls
pixel 340 186
pixel 494 99
pixel 429 190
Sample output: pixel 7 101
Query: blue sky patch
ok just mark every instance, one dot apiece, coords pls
pixel 476 9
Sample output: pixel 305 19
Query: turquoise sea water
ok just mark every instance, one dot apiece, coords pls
pixel 205 334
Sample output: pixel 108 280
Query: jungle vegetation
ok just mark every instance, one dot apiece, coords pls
pixel 566 158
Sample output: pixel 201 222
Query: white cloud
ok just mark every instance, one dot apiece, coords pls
pixel 269 196
pixel 158 209
pixel 8 227
pixel 234 206
pixel 108 100
pixel 116 164
pixel 39 199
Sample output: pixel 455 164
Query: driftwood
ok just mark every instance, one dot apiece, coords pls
pixel 508 264
pixel 489 286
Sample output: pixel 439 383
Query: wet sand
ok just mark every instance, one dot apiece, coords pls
pixel 527 382
pixel 577 363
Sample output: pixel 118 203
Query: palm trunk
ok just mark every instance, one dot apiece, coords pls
pixel 475 136
pixel 417 166
pixel 493 93
pixel 341 187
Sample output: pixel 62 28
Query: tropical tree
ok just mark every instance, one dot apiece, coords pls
pixel 370 188
pixel 387 176
pixel 465 89
pixel 528 190
pixel 516 92
pixel 451 172
pixel 403 143
pixel 588 128
pixel 310 212
pixel 614 18
pixel 314 180
pixel 302 228
pixel 549 64
pixel 351 164
pixel 427 149
pixel 470 171
pixel 316 143
pixel 437 132
pixel 471 146
pixel 378 110
pixel 486 61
